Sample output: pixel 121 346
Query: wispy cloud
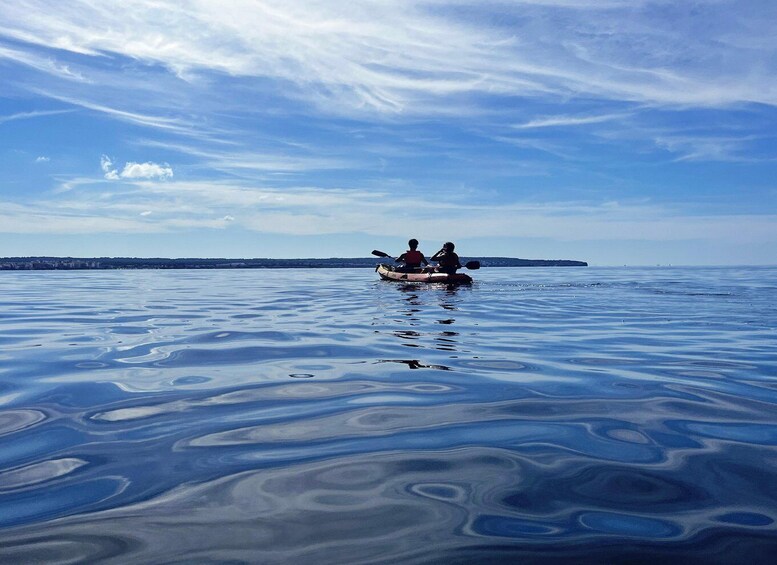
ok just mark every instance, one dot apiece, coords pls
pixel 106 164
pixel 155 207
pixel 46 218
pixel 30 115
pixel 397 56
pixel 708 148
pixel 44 64
pixel 175 125
pixel 567 121
pixel 270 158
pixel 206 73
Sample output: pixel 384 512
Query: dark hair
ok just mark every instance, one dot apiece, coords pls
pixel 449 245
pixel 413 243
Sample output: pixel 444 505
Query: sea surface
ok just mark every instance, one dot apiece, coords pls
pixel 540 415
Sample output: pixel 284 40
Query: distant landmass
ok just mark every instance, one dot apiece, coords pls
pixel 85 263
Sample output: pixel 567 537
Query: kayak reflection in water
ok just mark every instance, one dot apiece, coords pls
pixel 447 260
pixel 412 258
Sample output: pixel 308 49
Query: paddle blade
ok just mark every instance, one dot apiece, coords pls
pixel 473 265
pixel 380 253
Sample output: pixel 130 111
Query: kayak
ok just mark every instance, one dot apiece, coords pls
pixel 387 272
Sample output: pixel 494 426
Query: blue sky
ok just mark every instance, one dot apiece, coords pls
pixel 635 132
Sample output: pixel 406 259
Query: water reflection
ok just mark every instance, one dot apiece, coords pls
pixel 415 364
pixel 446 341
pixel 419 308
pixel 408 335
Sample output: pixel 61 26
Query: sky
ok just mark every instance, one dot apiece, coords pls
pixel 618 132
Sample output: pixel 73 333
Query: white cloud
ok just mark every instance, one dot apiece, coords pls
pixel 134 170
pixel 146 171
pixel 42 159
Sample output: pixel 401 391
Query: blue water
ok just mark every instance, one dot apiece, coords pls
pixel 580 415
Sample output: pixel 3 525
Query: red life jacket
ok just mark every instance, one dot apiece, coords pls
pixel 413 257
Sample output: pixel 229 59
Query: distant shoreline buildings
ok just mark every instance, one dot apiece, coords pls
pixel 103 263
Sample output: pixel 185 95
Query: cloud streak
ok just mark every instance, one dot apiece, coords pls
pixel 567 121
pixel 173 125
pixel 43 64
pixel 31 115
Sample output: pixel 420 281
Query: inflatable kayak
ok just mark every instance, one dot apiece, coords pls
pixel 387 272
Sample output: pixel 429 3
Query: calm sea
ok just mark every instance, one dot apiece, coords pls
pixel 577 415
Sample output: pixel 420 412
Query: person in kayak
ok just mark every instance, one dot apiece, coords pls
pixel 447 260
pixel 412 258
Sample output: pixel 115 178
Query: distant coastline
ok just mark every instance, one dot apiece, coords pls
pixel 102 263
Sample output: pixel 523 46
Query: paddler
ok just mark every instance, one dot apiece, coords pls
pixel 412 258
pixel 447 260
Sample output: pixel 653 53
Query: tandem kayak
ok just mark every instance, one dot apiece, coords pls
pixel 387 272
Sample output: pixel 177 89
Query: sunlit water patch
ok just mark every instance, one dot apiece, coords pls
pixel 282 416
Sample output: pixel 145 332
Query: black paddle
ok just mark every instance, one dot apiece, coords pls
pixel 381 254
pixel 471 265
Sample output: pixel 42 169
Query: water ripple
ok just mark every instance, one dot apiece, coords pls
pixel 578 416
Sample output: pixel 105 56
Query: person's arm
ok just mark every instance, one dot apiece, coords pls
pixel 400 259
pixel 423 259
pixel 437 255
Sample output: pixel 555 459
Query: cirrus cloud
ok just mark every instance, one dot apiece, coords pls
pixel 397 57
